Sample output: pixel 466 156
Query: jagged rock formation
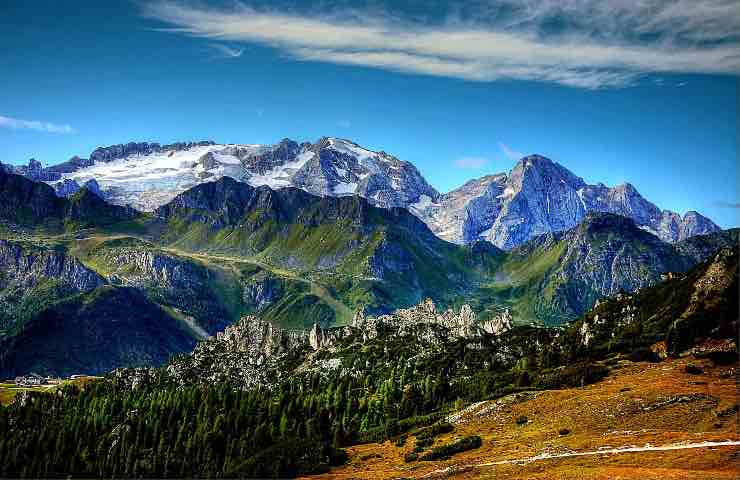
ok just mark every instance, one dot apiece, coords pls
pixel 34 171
pixel 462 324
pixel 145 267
pixel 253 351
pixel 540 196
pixel 498 325
pixel 114 152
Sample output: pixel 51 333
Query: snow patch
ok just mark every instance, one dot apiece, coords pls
pixel 345 188
pixel 508 192
pixel 280 176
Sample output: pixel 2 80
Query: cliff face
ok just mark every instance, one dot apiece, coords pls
pixel 26 268
pixel 32 278
pixel 178 282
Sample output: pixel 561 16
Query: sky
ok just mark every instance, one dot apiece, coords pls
pixel 616 91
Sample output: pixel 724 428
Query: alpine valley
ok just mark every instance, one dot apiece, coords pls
pixel 304 308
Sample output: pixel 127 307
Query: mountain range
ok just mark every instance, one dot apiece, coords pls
pixel 536 197
pixel 255 330
pixel 224 249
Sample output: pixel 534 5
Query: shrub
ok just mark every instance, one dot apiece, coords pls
pixel 423 442
pixel 410 457
pixel 563 431
pixel 433 430
pixel 521 420
pixel 692 369
pixel 444 451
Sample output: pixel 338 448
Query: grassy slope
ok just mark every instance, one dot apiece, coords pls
pixel 521 282
pixel 621 410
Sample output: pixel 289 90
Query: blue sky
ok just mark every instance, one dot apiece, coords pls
pixel 613 92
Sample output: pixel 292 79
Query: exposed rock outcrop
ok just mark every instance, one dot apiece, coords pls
pixel 23 267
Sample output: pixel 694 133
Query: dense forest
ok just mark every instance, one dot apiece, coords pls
pixel 110 430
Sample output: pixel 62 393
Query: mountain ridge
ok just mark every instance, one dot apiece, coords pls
pixel 536 196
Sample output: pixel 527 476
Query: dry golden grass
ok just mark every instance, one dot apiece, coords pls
pixel 638 404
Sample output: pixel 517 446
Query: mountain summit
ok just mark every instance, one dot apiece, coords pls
pixel 540 196
pixel 537 196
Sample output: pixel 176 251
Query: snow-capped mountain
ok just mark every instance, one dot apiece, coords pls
pixel 148 175
pixel 537 196
pixel 337 167
pixel 540 196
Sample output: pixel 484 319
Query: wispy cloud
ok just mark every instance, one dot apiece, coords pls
pixel 508 152
pixel 727 204
pixel 225 51
pixel 18 124
pixel 581 43
pixel 472 163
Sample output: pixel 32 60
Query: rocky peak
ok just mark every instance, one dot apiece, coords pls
pixel 66 187
pixel 260 163
pixel 500 324
pixel 93 186
pixel 34 166
pixel 542 170
pixel 540 196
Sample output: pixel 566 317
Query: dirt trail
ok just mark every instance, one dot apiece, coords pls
pixel 646 448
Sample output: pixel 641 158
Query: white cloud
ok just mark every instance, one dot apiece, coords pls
pixel 18 124
pixel 224 51
pixel 472 163
pixel 603 43
pixel 508 152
